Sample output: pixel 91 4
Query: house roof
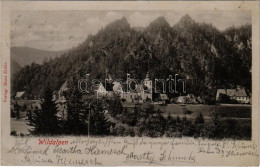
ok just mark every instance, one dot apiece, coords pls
pixel 117 87
pixel 63 88
pixel 147 76
pixel 20 94
pixel 232 92
pixel 163 96
pixel 181 97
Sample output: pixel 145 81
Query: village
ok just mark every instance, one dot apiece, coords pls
pixel 233 103
pixel 227 100
pixel 144 93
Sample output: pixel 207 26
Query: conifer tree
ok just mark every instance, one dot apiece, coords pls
pixel 99 124
pixel 17 108
pixel 76 122
pixel 45 120
pixel 199 119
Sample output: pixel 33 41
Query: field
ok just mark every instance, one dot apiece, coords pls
pixel 241 113
pixel 20 125
pixel 234 111
pixel 228 110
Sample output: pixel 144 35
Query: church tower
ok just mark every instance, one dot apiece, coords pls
pixel 148 83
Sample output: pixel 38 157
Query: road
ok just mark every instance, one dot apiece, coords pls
pixel 20 126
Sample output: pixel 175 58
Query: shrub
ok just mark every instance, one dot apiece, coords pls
pixel 223 98
pixel 208 96
pixel 13 115
pixel 120 130
pixel 187 112
pixel 14 133
pixel 199 119
pixel 24 107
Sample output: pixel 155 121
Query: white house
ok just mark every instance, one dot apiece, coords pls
pixel 164 97
pixel 181 99
pixel 20 95
pixel 236 94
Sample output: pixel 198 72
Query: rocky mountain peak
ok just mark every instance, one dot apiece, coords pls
pixel 186 20
pixel 159 22
pixel 120 24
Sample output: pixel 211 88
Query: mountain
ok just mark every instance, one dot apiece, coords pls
pixel 15 67
pixel 206 57
pixel 157 25
pixel 185 21
pixel 26 55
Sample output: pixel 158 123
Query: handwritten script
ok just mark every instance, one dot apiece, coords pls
pixel 130 151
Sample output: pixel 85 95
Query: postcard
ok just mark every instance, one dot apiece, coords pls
pixel 130 83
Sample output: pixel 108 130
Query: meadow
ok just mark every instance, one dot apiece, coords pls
pixel 241 114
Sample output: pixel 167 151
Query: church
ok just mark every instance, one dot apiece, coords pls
pixel 138 93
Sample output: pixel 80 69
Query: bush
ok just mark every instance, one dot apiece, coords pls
pixel 119 130
pixel 122 130
pixel 173 134
pixel 199 119
pixel 187 112
pixel 115 107
pixel 13 115
pixel 13 133
pixel 223 98
pixel 209 97
pixel 24 107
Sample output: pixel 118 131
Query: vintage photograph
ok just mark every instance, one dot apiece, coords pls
pixel 158 74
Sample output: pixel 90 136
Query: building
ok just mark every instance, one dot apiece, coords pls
pixel 117 88
pixel 148 83
pixel 144 92
pixel 191 99
pixel 181 99
pixel 105 89
pixel 160 98
pixel 129 96
pixel 20 95
pixel 188 99
pixel 138 94
pixel 147 89
pixel 236 94
pixel 164 97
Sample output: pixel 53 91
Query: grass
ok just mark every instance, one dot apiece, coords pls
pixel 241 113
pixel 236 111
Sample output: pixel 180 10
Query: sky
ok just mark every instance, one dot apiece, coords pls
pixel 61 30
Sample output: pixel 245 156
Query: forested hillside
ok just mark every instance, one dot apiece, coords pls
pixel 26 55
pixel 206 57
pixel 15 67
